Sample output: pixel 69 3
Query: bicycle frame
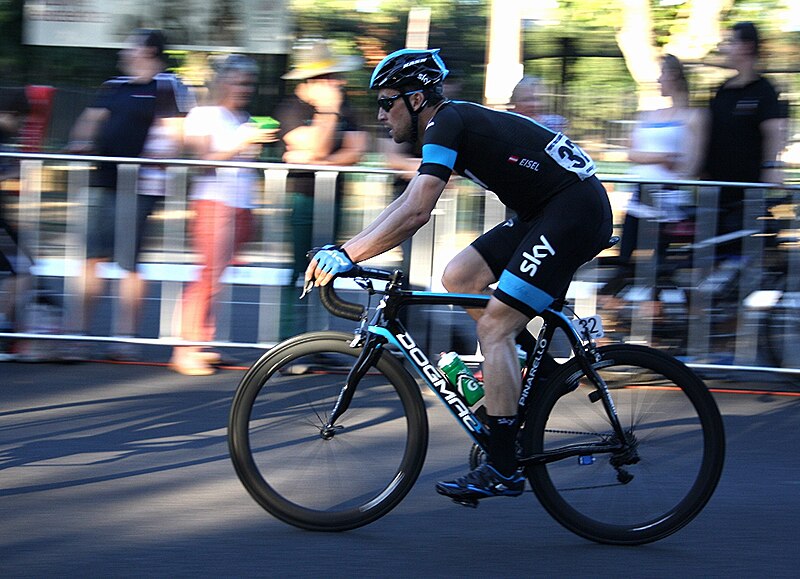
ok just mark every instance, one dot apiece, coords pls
pixel 384 328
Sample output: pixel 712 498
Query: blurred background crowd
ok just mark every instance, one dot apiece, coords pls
pixel 637 83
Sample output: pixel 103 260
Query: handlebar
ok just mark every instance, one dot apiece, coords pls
pixel 349 310
pixel 339 307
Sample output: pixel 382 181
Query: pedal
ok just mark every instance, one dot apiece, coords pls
pixel 467 502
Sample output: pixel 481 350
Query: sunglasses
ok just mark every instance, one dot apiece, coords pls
pixel 386 103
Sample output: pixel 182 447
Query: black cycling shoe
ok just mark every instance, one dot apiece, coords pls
pixel 480 483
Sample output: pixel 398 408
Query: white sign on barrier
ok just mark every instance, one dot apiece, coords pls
pixel 254 26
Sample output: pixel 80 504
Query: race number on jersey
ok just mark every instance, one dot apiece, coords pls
pixel 570 156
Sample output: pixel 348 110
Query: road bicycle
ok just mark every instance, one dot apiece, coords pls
pixel 328 431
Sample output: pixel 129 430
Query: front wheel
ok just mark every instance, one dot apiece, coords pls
pixel 650 487
pixel 326 480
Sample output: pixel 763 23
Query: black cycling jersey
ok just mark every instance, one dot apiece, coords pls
pixel 522 162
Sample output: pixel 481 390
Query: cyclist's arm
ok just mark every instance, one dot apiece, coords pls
pixel 394 205
pixel 399 221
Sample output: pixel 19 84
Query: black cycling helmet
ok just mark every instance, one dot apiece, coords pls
pixel 411 71
pixel 409 67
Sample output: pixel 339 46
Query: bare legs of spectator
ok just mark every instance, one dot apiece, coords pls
pixel 132 289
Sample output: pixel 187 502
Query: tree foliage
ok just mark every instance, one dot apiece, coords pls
pixel 458 27
pixel 577 54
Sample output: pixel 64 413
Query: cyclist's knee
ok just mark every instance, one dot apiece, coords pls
pixel 494 329
pixel 454 280
pixel 467 273
pixel 451 280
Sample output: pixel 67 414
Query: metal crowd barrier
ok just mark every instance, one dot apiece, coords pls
pixel 260 293
pixel 754 291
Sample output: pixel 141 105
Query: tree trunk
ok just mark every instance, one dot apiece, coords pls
pixel 702 31
pixel 635 40
pixel 693 41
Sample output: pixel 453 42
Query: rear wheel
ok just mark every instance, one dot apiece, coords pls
pixel 669 469
pixel 317 480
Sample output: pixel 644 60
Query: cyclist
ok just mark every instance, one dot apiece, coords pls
pixel 563 220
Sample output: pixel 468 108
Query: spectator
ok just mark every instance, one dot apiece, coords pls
pixel 318 127
pixel 745 135
pixel 527 100
pixel 666 145
pixel 130 115
pixel 14 261
pixel 221 201
pixel 13 108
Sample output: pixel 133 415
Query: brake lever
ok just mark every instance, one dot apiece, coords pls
pixel 365 284
pixel 307 289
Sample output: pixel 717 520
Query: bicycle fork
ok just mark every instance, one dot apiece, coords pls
pixel 370 353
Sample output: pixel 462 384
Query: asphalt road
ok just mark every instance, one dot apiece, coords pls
pixel 123 471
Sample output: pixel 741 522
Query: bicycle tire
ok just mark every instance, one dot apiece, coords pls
pixel 680 444
pixel 304 479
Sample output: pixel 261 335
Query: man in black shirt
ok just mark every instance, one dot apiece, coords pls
pixel 745 136
pixel 564 220
pixel 129 114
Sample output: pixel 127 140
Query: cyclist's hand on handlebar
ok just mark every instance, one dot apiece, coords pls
pixel 326 264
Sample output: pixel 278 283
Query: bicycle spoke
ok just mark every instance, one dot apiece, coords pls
pixel 337 478
pixel 653 483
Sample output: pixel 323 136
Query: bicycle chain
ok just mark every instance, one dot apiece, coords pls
pixel 577 432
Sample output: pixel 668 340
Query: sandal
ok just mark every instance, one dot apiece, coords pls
pixel 191 364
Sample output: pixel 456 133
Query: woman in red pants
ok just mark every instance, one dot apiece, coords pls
pixel 221 200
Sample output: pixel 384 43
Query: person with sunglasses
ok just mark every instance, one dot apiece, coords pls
pixel 563 219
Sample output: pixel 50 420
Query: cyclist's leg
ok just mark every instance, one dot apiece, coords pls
pixel 468 273
pixel 557 242
pixel 479 265
pixel 540 270
pixel 497 328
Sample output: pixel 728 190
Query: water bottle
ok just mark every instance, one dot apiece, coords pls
pixel 460 376
pixel 522 356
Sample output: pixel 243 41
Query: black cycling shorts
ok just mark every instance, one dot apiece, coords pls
pixel 534 261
